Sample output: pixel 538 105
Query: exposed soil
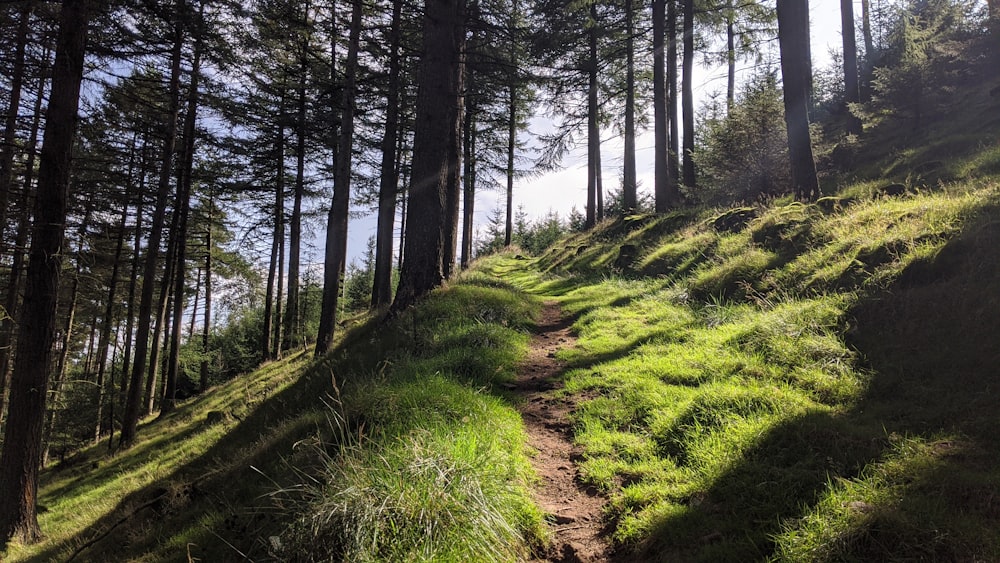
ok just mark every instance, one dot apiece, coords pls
pixel 574 510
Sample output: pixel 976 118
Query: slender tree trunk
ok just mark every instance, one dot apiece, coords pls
pixel 183 208
pixel 133 403
pixel 673 156
pixel 852 89
pixel 599 180
pixel 267 353
pixel 133 283
pixel 593 131
pixel 207 329
pixel 293 336
pixel 661 149
pixel 11 301
pixel 869 61
pixel 453 189
pixel 389 180
pixel 730 56
pixel 109 308
pixel 508 237
pixel 438 119
pixel 8 147
pixel 194 303
pixel 23 433
pixel 403 202
pixel 687 102
pixel 795 69
pixel 629 195
pixel 279 298
pixel 469 188
pixel 336 233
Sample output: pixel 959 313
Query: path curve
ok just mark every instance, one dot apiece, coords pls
pixel 574 510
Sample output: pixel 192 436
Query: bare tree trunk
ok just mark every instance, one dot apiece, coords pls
pixel 453 189
pixel 20 242
pixel 8 147
pixel 869 66
pixel 438 119
pixel 673 156
pixel 194 303
pixel 207 329
pixel 730 56
pixel 687 103
pixel 593 131
pixel 336 233
pixel 793 39
pixel 508 236
pixel 469 189
pixel 279 298
pixel 661 150
pixel 629 195
pixel 389 181
pixel 599 180
pixel 133 403
pixel 852 89
pixel 183 208
pixel 270 326
pixel 23 433
pixel 293 336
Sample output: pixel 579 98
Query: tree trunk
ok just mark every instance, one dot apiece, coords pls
pixel 730 56
pixel 795 69
pixel 194 303
pixel 389 180
pixel 11 301
pixel 23 433
pixel 869 66
pixel 279 298
pixel 183 209
pixel 508 236
pixel 133 403
pixel 336 233
pixel 852 90
pixel 437 120
pixel 453 190
pixel 267 353
pixel 593 131
pixel 629 195
pixel 673 156
pixel 688 98
pixel 661 180
pixel 599 180
pixel 293 335
pixel 8 147
pixel 109 308
pixel 207 329
pixel 469 189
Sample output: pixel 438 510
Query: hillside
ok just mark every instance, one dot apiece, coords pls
pixel 781 381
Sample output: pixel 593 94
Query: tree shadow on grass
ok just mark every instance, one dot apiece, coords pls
pixel 930 342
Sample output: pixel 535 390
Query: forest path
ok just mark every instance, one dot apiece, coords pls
pixel 574 510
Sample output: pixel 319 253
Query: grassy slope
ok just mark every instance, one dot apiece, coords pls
pixel 813 383
pixel 394 447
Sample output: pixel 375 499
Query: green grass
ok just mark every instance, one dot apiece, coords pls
pixel 399 445
pixel 813 387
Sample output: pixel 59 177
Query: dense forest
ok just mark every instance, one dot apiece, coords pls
pixel 168 169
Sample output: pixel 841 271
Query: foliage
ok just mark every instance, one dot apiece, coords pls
pixel 743 154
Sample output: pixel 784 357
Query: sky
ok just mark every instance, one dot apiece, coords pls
pixel 560 191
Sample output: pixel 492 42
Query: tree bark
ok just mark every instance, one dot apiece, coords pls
pixel 795 73
pixel 508 237
pixel 207 329
pixel 438 119
pixel 661 148
pixel 336 233
pixel 293 335
pixel 267 353
pixel 8 147
pixel 133 403
pixel 629 196
pixel 469 188
pixel 687 81
pixel 183 209
pixel 730 56
pixel 23 433
pixel 673 155
pixel 852 89
pixel 593 131
pixel 453 190
pixel 16 276
pixel 389 180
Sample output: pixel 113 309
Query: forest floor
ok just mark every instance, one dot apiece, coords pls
pixel 574 510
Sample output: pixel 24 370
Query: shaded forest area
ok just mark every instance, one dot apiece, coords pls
pixel 165 165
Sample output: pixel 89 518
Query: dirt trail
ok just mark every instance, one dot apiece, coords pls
pixel 575 510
